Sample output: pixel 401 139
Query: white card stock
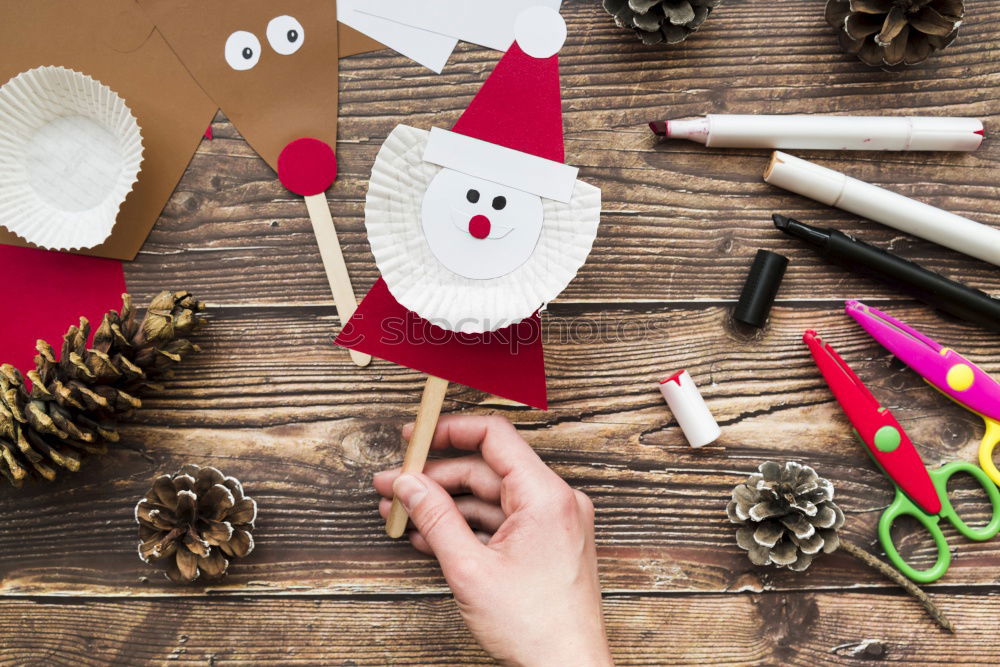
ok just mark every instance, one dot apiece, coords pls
pixel 521 171
pixel 489 23
pixel 430 49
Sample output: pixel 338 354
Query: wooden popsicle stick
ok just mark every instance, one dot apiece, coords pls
pixel 336 267
pixel 420 445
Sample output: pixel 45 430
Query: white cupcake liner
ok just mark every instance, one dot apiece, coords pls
pixel 421 283
pixel 70 151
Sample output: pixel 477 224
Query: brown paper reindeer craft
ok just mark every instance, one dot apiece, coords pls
pixel 271 66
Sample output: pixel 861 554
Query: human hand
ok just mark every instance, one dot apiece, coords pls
pixel 526 580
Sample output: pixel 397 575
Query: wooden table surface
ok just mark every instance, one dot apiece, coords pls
pixel 271 402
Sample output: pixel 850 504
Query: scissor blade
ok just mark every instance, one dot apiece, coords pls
pixel 885 439
pixel 946 370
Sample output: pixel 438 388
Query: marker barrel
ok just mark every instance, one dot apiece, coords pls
pixel 869 201
pixel 859 133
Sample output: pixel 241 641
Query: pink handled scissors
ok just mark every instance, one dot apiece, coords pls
pixel 944 369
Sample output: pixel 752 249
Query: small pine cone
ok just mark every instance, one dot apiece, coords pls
pixel 77 398
pixel 786 515
pixel 895 32
pixel 659 21
pixel 198 520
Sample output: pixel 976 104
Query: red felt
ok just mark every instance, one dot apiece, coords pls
pixel 519 107
pixel 307 167
pixel 508 363
pixel 46 293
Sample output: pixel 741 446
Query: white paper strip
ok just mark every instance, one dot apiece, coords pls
pixel 430 49
pixel 506 166
pixel 489 23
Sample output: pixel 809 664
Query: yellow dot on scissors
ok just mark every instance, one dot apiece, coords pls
pixel 961 377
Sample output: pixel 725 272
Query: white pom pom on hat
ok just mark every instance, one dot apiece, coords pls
pixel 540 31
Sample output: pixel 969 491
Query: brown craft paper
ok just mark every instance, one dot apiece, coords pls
pixel 114 42
pixel 283 97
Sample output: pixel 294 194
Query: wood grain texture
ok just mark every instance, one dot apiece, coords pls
pixel 808 629
pixel 273 403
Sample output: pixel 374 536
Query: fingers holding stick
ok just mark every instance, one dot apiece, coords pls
pixel 419 446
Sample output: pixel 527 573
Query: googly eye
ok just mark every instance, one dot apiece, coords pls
pixel 242 50
pixel 285 35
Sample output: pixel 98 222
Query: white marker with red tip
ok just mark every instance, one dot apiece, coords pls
pixel 846 133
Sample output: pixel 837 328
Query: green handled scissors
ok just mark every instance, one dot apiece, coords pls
pixel 920 493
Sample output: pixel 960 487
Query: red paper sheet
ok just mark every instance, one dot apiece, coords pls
pixel 46 293
pixel 508 363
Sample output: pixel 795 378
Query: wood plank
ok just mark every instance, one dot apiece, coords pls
pixel 271 402
pixel 776 628
pixel 681 222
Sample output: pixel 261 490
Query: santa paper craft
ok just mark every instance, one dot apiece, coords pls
pixel 474 230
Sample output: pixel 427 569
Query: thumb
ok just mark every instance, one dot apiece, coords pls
pixel 434 513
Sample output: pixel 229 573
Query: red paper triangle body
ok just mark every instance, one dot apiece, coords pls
pixel 48 293
pixel 508 363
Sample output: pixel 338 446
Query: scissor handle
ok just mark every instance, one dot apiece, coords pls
pixel 903 506
pixel 940 478
pixel 990 442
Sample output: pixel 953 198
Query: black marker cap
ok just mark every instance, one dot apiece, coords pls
pixel 761 288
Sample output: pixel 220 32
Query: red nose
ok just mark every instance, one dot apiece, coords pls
pixel 479 226
pixel 307 167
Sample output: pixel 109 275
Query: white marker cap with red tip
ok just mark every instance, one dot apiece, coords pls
pixel 690 409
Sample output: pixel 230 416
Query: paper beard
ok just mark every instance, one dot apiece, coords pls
pixel 467 254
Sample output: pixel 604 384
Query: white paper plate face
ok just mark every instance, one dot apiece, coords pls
pixel 70 152
pixel 425 285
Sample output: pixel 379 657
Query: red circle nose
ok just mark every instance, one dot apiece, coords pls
pixel 479 226
pixel 307 167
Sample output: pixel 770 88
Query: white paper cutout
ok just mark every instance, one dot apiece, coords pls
pixel 420 282
pixel 475 240
pixel 242 50
pixel 70 152
pixel 540 31
pixel 430 49
pixel 489 23
pixel 506 166
pixel 285 35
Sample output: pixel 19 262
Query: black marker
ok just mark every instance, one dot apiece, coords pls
pixel 947 295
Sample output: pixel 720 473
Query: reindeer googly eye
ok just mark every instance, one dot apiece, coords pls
pixel 242 50
pixel 285 35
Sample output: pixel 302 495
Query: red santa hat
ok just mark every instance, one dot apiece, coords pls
pixel 512 131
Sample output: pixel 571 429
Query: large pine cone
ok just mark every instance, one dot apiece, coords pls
pixel 658 21
pixel 787 516
pixel 894 32
pixel 75 401
pixel 198 519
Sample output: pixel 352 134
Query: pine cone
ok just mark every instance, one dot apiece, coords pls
pixel 198 519
pixel 787 516
pixel 658 21
pixel 893 32
pixel 75 402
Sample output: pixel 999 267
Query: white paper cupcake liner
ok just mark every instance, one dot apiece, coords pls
pixel 421 283
pixel 70 151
